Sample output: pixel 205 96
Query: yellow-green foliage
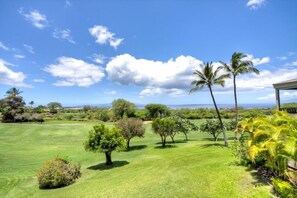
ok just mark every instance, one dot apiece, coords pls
pixel 57 173
pixel 283 188
pixel 272 139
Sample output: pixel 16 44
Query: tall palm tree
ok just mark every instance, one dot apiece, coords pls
pixel 13 92
pixel 210 77
pixel 236 67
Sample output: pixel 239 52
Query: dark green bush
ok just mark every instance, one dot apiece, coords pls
pixel 283 188
pixel 57 173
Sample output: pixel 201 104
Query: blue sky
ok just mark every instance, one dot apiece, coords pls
pixel 91 52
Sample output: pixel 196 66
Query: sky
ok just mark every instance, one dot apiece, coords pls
pixel 92 52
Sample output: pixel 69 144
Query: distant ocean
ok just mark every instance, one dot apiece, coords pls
pixel 190 106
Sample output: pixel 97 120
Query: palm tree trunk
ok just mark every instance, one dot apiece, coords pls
pixel 235 98
pixel 219 116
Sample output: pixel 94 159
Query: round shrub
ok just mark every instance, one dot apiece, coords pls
pixel 57 173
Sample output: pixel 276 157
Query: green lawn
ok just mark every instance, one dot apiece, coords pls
pixel 198 168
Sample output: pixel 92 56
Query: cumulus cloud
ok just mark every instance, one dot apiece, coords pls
pixel 2 46
pixel 29 48
pixel 75 72
pixel 19 56
pixel 255 4
pixel 174 76
pixel 285 96
pixel 63 34
pixel 9 77
pixel 257 61
pixel 104 36
pixel 35 17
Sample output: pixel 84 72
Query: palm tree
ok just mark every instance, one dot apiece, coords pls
pixel 13 92
pixel 209 77
pixel 238 66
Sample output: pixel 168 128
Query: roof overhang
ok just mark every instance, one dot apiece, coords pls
pixel 286 85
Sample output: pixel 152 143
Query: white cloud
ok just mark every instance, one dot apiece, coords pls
pixel 99 58
pixel 257 61
pixel 2 46
pixel 153 91
pixel 38 80
pixel 255 4
pixel 63 34
pixel 9 77
pixel 110 92
pixel 285 96
pixel 294 63
pixel 104 36
pixel 282 58
pixel 29 48
pixel 19 56
pixel 35 17
pixel 158 77
pixel 75 72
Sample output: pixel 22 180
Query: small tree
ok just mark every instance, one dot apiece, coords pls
pixel 121 108
pixel 157 110
pixel 131 128
pixel 164 127
pixel 183 125
pixel 213 127
pixel 54 105
pixel 86 108
pixel 104 140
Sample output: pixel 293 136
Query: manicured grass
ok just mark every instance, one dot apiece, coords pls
pixel 197 168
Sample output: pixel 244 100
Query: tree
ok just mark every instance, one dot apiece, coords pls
pixel 86 108
pixel 131 128
pixel 157 110
pixel 54 105
pixel 183 125
pixel 121 108
pixel 13 92
pixel 210 77
pixel 212 127
pixel 164 127
pixel 31 103
pixel 238 65
pixel 104 140
pixel 12 105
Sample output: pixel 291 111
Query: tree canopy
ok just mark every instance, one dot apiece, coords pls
pixel 123 108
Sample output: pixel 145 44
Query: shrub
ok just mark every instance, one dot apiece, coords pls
pixel 57 173
pixel 283 188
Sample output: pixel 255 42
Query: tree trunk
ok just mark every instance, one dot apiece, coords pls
pixel 186 136
pixel 172 138
pixel 108 158
pixel 128 143
pixel 219 116
pixel 163 142
pixel 235 108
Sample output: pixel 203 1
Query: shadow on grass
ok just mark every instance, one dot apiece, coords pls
pixel 103 166
pixel 259 181
pixel 166 146
pixel 175 142
pixel 214 144
pixel 137 147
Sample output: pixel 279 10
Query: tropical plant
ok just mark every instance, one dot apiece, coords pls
pixel 238 65
pixel 131 128
pixel 104 140
pixel 210 77
pixel 13 92
pixel 272 140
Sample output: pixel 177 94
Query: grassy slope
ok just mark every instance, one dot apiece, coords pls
pixel 198 168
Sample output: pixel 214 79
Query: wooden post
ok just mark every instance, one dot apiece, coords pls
pixel 277 99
